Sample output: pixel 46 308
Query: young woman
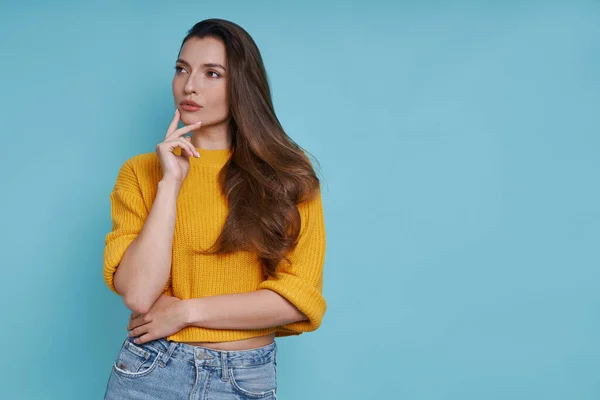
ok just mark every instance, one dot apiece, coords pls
pixel 218 238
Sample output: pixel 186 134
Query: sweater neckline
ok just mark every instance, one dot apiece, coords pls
pixel 208 157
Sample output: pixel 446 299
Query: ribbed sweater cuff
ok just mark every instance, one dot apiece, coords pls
pixel 307 298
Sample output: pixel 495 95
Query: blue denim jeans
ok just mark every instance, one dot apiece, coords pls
pixel 170 370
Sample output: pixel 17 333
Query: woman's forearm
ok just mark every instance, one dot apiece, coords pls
pixel 254 310
pixel 146 264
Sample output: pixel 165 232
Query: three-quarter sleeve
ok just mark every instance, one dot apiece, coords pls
pixel 301 280
pixel 128 214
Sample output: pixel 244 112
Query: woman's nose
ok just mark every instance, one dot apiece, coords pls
pixel 190 87
pixel 193 84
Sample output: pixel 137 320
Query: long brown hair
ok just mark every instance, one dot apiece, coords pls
pixel 268 174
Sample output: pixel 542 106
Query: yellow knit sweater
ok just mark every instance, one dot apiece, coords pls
pixel 201 214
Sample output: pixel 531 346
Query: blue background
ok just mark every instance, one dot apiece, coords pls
pixel 460 156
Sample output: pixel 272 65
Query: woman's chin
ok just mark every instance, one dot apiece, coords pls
pixel 188 119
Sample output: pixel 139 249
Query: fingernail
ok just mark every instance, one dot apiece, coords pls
pixel 197 123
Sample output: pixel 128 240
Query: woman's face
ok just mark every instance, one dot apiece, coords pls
pixel 200 76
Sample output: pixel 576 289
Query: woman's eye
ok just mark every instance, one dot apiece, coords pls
pixel 179 69
pixel 213 72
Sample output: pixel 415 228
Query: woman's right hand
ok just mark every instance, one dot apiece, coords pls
pixel 173 166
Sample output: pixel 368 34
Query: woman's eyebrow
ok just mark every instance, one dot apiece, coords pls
pixel 215 65
pixel 207 65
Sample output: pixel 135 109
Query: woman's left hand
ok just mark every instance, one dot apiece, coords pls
pixel 166 317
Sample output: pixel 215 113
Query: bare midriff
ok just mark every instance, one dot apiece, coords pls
pixel 244 344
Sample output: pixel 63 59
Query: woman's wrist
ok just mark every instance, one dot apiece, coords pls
pixel 169 184
pixel 191 311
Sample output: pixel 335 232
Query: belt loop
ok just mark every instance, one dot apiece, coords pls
pixel 224 377
pixel 165 357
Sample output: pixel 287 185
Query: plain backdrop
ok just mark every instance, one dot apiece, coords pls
pixel 459 149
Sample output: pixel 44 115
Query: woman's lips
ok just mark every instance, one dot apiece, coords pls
pixel 189 107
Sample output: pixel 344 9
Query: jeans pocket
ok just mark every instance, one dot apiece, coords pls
pixel 254 381
pixel 135 361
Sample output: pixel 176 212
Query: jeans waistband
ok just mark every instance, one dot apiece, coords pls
pixel 212 357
